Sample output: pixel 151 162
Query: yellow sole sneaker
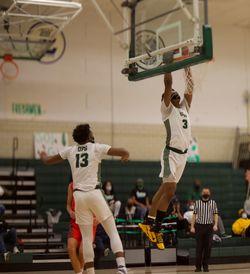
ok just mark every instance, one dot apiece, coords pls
pixel 159 241
pixel 146 229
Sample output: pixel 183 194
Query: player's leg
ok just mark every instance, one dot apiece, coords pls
pixel 74 240
pixel 105 217
pixel 84 219
pixel 80 256
pixel 115 242
pixel 172 168
pixel 75 259
pixel 88 251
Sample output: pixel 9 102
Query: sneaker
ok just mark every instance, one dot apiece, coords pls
pixel 225 236
pixel 159 241
pixel 106 252
pixel 15 250
pixel 151 235
pixel 6 256
pixel 121 270
pixel 197 270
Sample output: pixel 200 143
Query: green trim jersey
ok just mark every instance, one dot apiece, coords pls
pixel 177 124
pixel 84 161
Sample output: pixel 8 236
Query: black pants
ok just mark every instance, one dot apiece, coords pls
pixel 204 237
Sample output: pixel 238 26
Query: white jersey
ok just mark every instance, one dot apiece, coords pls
pixel 84 161
pixel 177 124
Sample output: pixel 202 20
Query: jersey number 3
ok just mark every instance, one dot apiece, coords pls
pixel 185 123
pixel 82 160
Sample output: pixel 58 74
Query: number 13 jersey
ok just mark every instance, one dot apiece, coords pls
pixel 84 161
pixel 177 124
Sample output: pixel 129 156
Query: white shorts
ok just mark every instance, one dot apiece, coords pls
pixel 172 166
pixel 90 204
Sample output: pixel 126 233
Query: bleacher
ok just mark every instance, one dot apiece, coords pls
pixel 227 185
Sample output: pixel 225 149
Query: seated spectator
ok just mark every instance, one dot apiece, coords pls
pixel 130 209
pixel 110 197
pixel 7 237
pixel 247 201
pixel 139 196
pixel 188 215
pixel 182 223
pixel 241 227
pixel 102 242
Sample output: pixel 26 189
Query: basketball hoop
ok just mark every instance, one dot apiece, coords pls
pixel 9 68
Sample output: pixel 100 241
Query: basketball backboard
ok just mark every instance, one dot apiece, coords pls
pixel 29 28
pixel 167 36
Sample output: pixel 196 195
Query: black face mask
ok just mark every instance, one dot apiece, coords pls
pixel 205 196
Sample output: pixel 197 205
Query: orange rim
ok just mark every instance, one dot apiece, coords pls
pixel 8 59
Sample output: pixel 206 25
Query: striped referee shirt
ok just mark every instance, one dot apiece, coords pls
pixel 204 211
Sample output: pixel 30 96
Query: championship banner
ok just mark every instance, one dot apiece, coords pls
pixel 193 152
pixel 51 143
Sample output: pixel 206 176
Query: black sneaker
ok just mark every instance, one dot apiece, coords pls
pixel 197 270
pixel 205 270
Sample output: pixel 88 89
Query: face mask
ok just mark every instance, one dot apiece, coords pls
pixel 205 196
pixel 191 207
pixel 244 215
pixel 108 188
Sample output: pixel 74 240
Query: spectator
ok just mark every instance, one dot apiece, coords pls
pixel 195 194
pixel 130 209
pixel 182 223
pixel 110 197
pixel 241 227
pixel 188 215
pixel 247 201
pixel 102 242
pixel 7 237
pixel 140 199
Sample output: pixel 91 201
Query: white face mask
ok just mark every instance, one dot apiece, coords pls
pixel 244 215
pixel 191 207
pixel 108 188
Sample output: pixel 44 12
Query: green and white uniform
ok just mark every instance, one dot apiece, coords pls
pixel 178 137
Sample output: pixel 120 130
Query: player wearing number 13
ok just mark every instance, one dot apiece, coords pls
pixel 176 120
pixel 84 159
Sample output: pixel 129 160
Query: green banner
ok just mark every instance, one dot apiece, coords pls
pixel 27 109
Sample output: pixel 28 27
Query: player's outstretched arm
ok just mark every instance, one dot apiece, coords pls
pixel 189 86
pixel 121 152
pixel 50 160
pixel 168 81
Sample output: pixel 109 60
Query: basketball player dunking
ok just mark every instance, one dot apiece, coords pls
pixel 84 159
pixel 174 156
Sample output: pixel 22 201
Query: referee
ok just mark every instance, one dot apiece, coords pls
pixel 204 222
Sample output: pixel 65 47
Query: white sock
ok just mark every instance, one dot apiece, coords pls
pixel 151 217
pixel 90 270
pixel 120 261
